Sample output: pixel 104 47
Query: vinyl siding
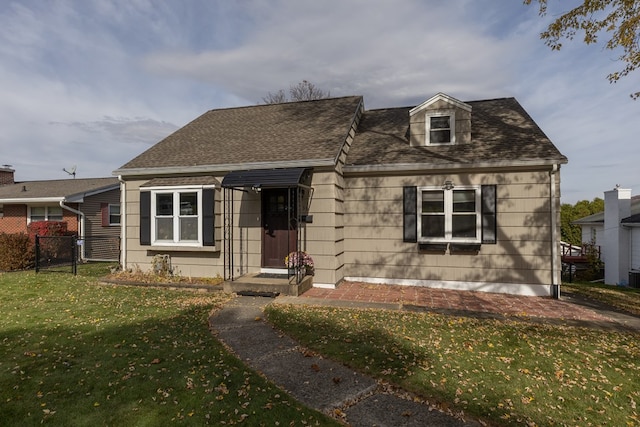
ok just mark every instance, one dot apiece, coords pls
pixel 374 246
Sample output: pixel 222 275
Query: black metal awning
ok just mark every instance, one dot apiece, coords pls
pixel 266 178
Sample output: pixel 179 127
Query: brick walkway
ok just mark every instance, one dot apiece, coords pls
pixel 458 301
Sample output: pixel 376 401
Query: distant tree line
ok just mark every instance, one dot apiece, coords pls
pixel 568 213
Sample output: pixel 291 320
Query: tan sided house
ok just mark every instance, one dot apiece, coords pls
pixel 450 194
pixel 90 207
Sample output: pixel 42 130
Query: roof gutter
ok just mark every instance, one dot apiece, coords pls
pixel 173 170
pixel 431 167
pixel 81 225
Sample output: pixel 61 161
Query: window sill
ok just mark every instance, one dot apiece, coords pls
pixel 160 249
pixel 464 248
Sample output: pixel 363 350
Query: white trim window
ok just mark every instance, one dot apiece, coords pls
pixel 114 214
pixel 449 215
pixel 175 217
pixel 440 127
pixel 45 213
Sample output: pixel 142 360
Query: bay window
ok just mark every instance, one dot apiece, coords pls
pixel 177 217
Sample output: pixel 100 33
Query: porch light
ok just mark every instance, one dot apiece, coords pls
pixel 448 185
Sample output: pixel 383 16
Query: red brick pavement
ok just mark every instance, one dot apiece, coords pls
pixel 468 301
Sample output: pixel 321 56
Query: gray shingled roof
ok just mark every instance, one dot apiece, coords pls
pixel 501 130
pixel 310 130
pixel 599 216
pixel 62 188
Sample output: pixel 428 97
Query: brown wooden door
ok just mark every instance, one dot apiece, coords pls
pixel 279 236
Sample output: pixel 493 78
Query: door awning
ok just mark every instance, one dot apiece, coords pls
pixel 267 178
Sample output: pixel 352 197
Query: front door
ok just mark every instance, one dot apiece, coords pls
pixel 279 224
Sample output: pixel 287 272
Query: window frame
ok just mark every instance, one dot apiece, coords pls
pixel 110 215
pixel 448 213
pixel 176 216
pixel 452 126
pixel 47 214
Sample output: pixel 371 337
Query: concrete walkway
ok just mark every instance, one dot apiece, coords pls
pixel 359 400
pixel 318 383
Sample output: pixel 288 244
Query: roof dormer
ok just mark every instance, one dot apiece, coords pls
pixel 440 120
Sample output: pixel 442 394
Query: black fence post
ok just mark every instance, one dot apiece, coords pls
pixel 74 254
pixel 37 253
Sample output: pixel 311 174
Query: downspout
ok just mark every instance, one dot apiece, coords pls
pixel 123 224
pixel 80 226
pixel 555 286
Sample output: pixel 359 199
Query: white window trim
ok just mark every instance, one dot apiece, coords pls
pixel 176 216
pixel 452 122
pixel 114 224
pixel 46 213
pixel 448 214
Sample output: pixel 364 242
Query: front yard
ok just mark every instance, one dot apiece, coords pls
pixel 76 353
pixel 504 372
pixel 73 352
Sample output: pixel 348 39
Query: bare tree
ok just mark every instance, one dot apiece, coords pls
pixel 275 98
pixel 303 91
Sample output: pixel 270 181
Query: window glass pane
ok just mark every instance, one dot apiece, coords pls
pixel 164 204
pixel 54 213
pixel 432 201
pixel 114 214
pixel 432 226
pixel 189 229
pixel 188 203
pixel 164 228
pixel 37 213
pixel 439 136
pixel 464 200
pixel 463 226
pixel 440 122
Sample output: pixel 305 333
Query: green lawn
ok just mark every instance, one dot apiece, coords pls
pixel 505 372
pixel 623 298
pixel 74 353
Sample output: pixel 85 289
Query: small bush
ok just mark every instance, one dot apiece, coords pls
pixel 16 252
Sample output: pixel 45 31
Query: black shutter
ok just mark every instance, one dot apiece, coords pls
pixel 489 224
pixel 208 223
pixel 145 218
pixel 410 214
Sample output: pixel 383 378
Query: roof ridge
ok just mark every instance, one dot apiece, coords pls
pixel 239 107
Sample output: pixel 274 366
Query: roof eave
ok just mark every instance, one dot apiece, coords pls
pixel 25 200
pixel 407 167
pixel 79 197
pixel 172 170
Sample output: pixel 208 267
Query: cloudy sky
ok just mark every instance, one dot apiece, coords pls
pixel 93 83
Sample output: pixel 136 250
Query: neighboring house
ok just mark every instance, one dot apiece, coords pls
pixel 90 207
pixel 451 194
pixel 616 231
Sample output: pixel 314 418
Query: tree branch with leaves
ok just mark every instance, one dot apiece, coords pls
pixel 619 20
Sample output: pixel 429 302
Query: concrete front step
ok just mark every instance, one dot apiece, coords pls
pixel 251 283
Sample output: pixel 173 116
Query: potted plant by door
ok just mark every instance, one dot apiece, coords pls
pixel 299 264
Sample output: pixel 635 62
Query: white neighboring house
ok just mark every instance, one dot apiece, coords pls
pixel 617 232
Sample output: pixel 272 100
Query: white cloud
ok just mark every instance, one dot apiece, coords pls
pixel 94 83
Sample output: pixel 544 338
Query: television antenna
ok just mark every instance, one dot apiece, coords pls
pixel 71 171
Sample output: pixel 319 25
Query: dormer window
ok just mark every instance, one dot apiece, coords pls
pixel 441 127
pixel 440 120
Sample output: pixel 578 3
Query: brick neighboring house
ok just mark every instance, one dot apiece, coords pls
pixel 449 194
pixel 90 207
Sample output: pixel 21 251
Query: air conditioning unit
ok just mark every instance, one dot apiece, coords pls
pixel 634 278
